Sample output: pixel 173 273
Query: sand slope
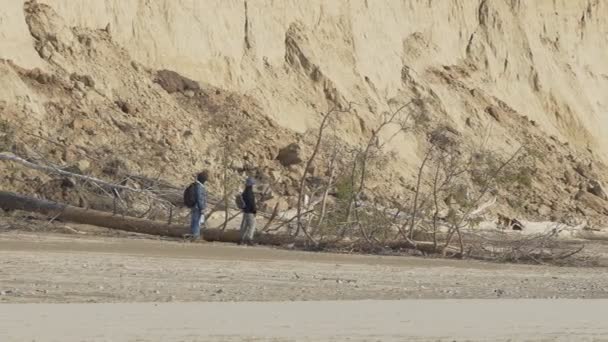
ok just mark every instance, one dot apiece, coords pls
pixel 545 59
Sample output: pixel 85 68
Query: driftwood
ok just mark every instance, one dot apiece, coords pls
pixel 49 169
pixel 167 195
pixel 59 211
pixel 6 156
pixel 12 201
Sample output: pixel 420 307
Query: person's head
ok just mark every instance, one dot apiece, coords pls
pixel 203 176
pixel 250 181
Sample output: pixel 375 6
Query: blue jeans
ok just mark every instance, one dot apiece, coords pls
pixel 197 218
pixel 247 227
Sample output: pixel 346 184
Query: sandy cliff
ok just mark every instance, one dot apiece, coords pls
pixel 545 59
pixel 508 68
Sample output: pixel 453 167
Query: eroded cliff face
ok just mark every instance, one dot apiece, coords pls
pixel 546 59
pixel 496 70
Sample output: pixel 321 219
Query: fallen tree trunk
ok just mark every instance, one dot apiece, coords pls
pixel 65 212
pixel 6 156
pixel 12 201
pixel 395 245
pixel 164 193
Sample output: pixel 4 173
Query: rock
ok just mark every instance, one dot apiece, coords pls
pixel 45 78
pixel 68 182
pixel 314 182
pixel 554 205
pixel 78 95
pixel 79 86
pixel 364 196
pixel 86 41
pixel 189 93
pixel 331 201
pixel 569 178
pixel 126 107
pixel 46 52
pixel 237 165
pixel 544 210
pixel 173 140
pixel 290 155
pixel 443 137
pixel 294 173
pixel 40 76
pixel 82 124
pixel 594 187
pixel 122 125
pixel 312 170
pixel 269 205
pixel 516 225
pixel 591 202
pixel 173 82
pixel 505 222
pixel 266 193
pixel 83 165
pixel 86 80
pixel 115 167
pixel 583 170
pixel 292 201
pixel 135 66
pixel 493 112
pixel 276 176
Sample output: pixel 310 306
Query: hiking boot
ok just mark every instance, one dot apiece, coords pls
pixel 191 238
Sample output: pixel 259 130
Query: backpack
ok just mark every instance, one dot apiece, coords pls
pixel 190 196
pixel 238 200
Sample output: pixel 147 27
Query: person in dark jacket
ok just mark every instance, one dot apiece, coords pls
pixel 200 204
pixel 249 212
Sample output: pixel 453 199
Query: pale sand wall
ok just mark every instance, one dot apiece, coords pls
pixel 558 45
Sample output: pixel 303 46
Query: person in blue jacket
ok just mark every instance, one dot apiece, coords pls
pixel 200 204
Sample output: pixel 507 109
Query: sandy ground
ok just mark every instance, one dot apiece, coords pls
pixel 406 320
pixel 99 288
pixel 58 268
